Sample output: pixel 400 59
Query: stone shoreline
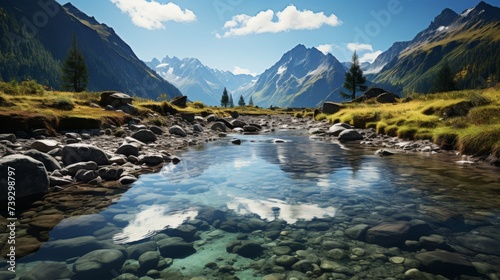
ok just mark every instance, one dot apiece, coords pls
pixel 81 173
pixel 91 170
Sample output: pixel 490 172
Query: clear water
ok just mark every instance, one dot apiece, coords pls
pixel 306 180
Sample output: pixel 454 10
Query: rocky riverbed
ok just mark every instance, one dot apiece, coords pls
pixel 78 174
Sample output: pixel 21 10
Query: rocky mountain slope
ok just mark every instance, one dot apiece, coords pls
pixel 34 49
pixel 468 42
pixel 301 78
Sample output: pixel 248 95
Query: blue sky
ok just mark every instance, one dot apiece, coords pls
pixel 250 36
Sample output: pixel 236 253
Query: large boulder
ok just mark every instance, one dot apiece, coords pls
pixel 219 126
pixel 28 174
pixel 145 136
pixel 45 145
pixel 63 249
pixel 9 137
pixel 350 135
pixel 74 153
pixel 247 248
pixel 98 264
pixel 128 149
pixel 331 108
pixel 179 101
pixel 175 247
pixel 177 130
pixel 115 99
pixel 389 234
pixel 387 97
pixel 445 263
pixel 50 163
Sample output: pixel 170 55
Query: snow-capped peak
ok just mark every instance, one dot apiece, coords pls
pixel 467 12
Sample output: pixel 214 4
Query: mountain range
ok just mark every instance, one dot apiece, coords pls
pixel 304 77
pixel 469 43
pixel 199 82
pixel 36 36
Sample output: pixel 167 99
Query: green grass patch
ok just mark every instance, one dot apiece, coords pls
pixel 480 141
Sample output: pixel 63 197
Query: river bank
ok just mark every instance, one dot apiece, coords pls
pixel 82 185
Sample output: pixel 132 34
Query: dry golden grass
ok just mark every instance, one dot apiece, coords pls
pixel 476 133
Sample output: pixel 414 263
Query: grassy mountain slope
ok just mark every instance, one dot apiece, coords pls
pixel 112 65
pixel 470 45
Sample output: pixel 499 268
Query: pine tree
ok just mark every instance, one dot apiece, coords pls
pixel 75 76
pixel 354 79
pixel 241 102
pixel 224 101
pixel 231 102
pixel 250 102
pixel 444 80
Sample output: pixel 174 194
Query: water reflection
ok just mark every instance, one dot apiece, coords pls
pixel 271 209
pixel 152 219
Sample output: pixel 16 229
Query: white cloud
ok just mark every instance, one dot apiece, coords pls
pixel 238 70
pixel 288 19
pixel 369 57
pixel 326 48
pixel 359 47
pixel 151 14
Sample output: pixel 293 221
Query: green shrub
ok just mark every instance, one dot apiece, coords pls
pixel 31 87
pixel 10 88
pixel 62 104
pixel 198 105
pixel 484 115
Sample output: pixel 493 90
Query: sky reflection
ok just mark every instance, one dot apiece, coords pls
pixel 152 219
pixel 291 213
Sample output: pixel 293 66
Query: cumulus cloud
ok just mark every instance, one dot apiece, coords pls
pixel 359 47
pixel 151 14
pixel 288 19
pixel 325 48
pixel 238 70
pixel 369 57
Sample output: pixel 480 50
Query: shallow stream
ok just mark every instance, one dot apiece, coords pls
pixel 311 205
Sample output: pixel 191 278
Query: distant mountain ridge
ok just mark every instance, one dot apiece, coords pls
pixel 468 42
pixel 111 63
pixel 199 82
pixel 301 78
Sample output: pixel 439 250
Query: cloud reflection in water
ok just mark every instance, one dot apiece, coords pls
pixel 291 213
pixel 151 220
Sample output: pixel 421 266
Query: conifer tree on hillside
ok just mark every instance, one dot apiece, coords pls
pixel 231 102
pixel 250 102
pixel 74 76
pixel 444 80
pixel 224 101
pixel 354 79
pixel 241 102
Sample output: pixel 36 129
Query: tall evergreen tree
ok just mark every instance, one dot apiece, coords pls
pixel 75 76
pixel 241 102
pixel 354 79
pixel 224 101
pixel 231 102
pixel 444 80
pixel 250 102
